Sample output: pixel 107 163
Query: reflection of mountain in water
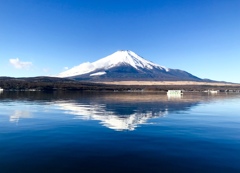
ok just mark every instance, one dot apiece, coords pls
pixel 125 119
pixel 118 111
pixel 121 115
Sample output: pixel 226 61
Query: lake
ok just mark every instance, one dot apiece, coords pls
pixel 73 132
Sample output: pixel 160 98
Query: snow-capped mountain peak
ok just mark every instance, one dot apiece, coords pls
pixel 127 57
pixel 121 57
pixel 125 65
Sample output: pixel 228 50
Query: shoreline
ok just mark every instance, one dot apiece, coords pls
pixel 156 83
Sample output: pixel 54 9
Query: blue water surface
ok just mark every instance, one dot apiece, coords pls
pixel 73 132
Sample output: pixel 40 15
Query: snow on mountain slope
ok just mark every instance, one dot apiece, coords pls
pixel 123 57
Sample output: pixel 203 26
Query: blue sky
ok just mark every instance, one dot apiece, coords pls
pixel 44 37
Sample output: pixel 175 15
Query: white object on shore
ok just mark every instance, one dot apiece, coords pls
pixel 212 91
pixel 174 92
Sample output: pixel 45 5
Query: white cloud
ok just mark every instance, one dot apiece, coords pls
pixel 66 68
pixel 19 64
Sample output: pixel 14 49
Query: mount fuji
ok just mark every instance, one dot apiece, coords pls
pixel 125 65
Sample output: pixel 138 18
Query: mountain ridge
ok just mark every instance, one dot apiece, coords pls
pixel 125 65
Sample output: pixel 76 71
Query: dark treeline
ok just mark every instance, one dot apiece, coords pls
pixel 51 83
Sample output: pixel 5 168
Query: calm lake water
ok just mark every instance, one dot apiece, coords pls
pixel 73 132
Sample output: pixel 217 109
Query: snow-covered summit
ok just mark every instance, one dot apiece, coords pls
pixel 125 65
pixel 126 57
pixel 122 57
